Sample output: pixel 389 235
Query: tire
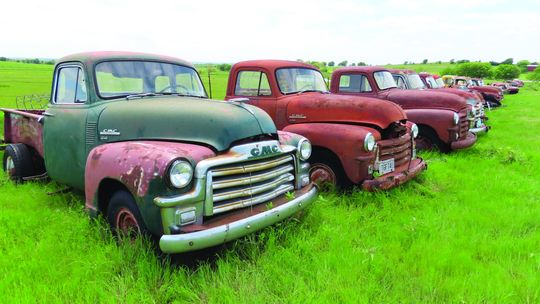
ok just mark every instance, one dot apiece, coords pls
pixel 326 169
pixel 124 217
pixel 428 140
pixel 18 162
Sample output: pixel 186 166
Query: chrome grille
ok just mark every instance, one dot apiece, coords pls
pixel 463 124
pixel 250 183
pixel 397 148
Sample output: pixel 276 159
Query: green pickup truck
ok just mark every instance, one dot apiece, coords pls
pixel 153 155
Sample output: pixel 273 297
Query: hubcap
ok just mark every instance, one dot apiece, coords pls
pixel 126 223
pixel 10 166
pixel 321 173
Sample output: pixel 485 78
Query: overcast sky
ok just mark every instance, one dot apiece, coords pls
pixel 375 32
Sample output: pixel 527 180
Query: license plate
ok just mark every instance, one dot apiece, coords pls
pixel 386 166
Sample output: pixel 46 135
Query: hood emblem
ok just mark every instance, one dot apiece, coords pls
pixel 264 150
pixel 297 116
pixel 109 132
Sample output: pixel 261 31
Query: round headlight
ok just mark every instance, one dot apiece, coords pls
pixel 456 118
pixel 180 173
pixel 304 149
pixel 369 142
pixel 414 130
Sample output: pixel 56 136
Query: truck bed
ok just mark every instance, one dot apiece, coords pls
pixel 24 126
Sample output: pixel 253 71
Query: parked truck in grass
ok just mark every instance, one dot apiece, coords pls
pixel 492 95
pixel 356 140
pixel 442 118
pixel 410 80
pixel 137 133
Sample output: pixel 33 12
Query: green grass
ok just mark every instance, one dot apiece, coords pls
pixel 467 230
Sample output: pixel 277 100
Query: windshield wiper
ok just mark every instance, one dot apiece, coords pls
pixel 141 95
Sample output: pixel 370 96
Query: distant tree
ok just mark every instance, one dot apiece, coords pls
pixel 3 59
pixel 406 62
pixel 331 64
pixel 452 61
pixel 424 61
pixel 506 71
pixel 353 64
pixel 438 62
pixel 323 63
pixel 508 61
pixel 361 64
pixel 534 63
pixel 462 61
pixel 224 67
pixel 343 63
pixel 474 69
pixel 494 63
pixel 522 64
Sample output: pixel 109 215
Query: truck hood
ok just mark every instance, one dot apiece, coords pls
pixel 210 122
pixel 485 89
pixel 317 107
pixel 417 99
pixel 465 94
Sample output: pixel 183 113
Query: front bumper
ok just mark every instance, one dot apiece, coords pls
pixel 397 177
pixel 468 141
pixel 480 130
pixel 235 224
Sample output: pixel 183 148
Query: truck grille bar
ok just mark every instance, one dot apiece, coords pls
pixel 464 124
pixel 253 182
pixel 397 148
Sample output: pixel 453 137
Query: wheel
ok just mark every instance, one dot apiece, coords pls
pixel 326 169
pixel 18 162
pixel 428 140
pixel 123 215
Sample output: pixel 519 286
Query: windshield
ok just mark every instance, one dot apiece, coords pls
pixel 440 82
pixel 432 82
pixel 295 80
pixel 415 82
pixel 384 80
pixel 125 78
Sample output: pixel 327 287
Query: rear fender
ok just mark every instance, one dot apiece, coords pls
pixel 345 141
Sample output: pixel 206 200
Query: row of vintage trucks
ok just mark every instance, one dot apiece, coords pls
pixel 138 135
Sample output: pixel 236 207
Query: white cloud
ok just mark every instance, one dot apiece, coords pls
pixel 228 31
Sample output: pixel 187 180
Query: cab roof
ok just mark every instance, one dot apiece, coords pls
pixel 272 64
pixel 91 58
pixel 361 69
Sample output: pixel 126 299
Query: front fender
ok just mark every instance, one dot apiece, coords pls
pixel 439 120
pixel 137 165
pixel 345 141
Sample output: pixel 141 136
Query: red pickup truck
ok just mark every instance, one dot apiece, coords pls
pixel 492 95
pixel 410 80
pixel 442 118
pixel 355 140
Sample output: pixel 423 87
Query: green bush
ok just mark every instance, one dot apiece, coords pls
pixel 506 71
pixel 448 71
pixel 474 69
pixel 535 75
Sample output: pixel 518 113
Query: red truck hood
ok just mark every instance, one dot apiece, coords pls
pixel 462 93
pixel 485 89
pixel 416 99
pixel 317 107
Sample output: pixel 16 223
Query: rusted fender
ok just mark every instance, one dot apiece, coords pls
pixel 346 141
pixel 24 127
pixel 135 164
pixel 418 99
pixel 439 120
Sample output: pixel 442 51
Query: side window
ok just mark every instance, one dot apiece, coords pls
pixel 354 84
pixel 70 86
pixel 400 82
pixel 251 83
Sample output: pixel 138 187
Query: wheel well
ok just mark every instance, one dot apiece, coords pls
pixel 326 154
pixel 106 190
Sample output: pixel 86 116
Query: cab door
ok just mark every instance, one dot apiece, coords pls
pixel 254 85
pixel 64 126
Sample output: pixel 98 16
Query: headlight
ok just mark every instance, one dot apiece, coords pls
pixel 369 142
pixel 456 118
pixel 414 130
pixel 180 173
pixel 304 149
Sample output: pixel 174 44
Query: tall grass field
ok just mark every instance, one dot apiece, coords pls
pixel 466 231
